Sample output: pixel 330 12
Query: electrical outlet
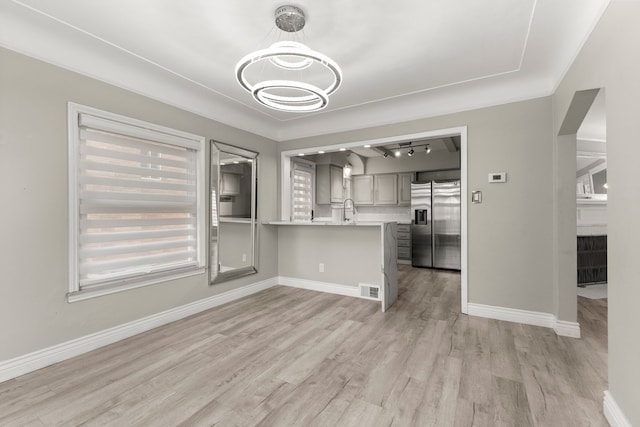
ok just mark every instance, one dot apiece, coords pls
pixel 244 257
pixel 321 268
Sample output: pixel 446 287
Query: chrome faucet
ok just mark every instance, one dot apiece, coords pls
pixel 344 209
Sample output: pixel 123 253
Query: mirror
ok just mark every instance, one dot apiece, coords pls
pixel 233 232
pixel 591 177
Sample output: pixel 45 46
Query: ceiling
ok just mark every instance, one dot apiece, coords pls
pixel 413 60
pixel 451 144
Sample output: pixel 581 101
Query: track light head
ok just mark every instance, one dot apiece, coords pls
pixel 428 149
pixel 385 155
pixel 397 153
pixel 410 153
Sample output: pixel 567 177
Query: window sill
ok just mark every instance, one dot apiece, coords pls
pixel 92 293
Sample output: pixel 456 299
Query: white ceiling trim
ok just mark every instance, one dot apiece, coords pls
pixel 429 89
pixel 461 98
pixel 573 57
pixel 32 32
pixel 136 55
pixel 46 38
pixel 402 95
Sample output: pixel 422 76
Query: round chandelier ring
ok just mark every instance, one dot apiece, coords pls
pixel 289 65
pixel 271 52
pixel 290 94
pixel 290 103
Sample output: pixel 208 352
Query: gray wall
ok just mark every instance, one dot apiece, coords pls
pixel 609 60
pixel 350 254
pixel 34 312
pixel 510 233
pixel 235 241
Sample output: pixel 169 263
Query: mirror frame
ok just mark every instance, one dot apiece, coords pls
pixel 216 276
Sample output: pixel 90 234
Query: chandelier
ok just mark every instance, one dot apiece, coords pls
pixel 289 76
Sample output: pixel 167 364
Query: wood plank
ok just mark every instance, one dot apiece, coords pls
pixel 294 357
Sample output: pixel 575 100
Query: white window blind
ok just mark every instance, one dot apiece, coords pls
pixel 302 192
pixel 136 205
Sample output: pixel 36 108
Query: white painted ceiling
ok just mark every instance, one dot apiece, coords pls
pixel 401 61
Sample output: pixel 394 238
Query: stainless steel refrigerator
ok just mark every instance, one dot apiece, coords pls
pixel 435 226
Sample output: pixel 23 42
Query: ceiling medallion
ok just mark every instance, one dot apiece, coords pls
pixel 281 91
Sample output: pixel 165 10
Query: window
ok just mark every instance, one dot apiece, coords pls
pixel 302 177
pixel 136 199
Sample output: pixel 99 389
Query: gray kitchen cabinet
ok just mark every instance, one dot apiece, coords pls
pixel 329 187
pixel 229 184
pixel 404 188
pixel 362 189
pixel 404 243
pixel 385 189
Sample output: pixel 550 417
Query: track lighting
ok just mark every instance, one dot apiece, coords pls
pixel 402 149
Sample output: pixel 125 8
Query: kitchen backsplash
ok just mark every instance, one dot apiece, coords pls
pixel 365 213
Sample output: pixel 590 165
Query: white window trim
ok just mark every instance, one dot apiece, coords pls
pixel 75 294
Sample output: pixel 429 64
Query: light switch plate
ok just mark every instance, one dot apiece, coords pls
pixel 476 196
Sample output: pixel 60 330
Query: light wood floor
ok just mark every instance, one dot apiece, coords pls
pixel 288 357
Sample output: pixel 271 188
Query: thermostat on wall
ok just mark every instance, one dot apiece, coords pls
pixel 497 177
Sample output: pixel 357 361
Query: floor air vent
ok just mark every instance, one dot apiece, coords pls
pixel 369 292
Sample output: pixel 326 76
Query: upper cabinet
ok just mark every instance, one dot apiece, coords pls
pixel 229 184
pixel 404 188
pixel 362 189
pixel 385 189
pixel 376 190
pixel 329 188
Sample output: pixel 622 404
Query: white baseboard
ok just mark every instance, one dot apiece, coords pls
pixel 312 285
pixel 613 413
pixel 535 318
pixel 21 365
pixel 567 329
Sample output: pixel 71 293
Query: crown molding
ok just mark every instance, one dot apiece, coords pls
pixel 38 35
pixel 42 37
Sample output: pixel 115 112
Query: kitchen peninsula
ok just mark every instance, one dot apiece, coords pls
pixel 348 258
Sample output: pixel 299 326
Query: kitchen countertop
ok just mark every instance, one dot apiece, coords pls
pixel 234 219
pixel 341 224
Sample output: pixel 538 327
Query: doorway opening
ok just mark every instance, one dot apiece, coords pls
pixel 581 226
pixel 591 201
pixel 416 145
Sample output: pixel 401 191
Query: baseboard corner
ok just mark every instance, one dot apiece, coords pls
pixel 567 329
pixel 612 412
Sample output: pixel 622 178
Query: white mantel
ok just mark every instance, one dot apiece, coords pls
pixel 591 217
